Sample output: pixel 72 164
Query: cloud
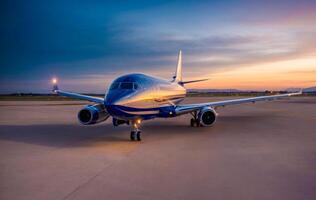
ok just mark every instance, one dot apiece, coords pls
pixel 79 41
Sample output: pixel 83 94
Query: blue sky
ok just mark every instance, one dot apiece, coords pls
pixel 87 43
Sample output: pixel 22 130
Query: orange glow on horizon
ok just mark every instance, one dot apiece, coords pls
pixel 274 76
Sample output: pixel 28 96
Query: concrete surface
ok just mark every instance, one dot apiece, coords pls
pixel 255 151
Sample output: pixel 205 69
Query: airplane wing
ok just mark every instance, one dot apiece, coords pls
pixel 182 109
pixel 76 95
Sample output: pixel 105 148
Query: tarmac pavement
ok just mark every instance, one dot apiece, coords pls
pixel 256 151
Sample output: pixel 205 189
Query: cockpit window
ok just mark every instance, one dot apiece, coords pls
pixel 126 86
pixel 114 86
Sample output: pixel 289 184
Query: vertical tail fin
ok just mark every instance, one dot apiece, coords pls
pixel 178 75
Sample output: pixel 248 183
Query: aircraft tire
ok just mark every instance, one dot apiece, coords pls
pixel 192 122
pixel 132 136
pixel 138 136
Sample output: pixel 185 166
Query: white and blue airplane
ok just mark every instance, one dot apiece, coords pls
pixel 132 98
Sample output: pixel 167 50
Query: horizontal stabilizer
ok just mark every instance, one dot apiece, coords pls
pixel 193 81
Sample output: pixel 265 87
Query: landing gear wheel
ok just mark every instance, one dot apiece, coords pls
pixel 133 135
pixel 192 122
pixel 195 122
pixel 138 136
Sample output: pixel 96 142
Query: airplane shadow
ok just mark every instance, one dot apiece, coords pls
pixel 60 135
pixel 63 135
pixel 306 101
pixel 245 118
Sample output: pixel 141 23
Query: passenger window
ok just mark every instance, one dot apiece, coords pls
pixel 126 86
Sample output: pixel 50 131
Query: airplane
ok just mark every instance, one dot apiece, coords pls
pixel 133 98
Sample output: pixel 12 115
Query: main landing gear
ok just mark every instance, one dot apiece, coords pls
pixel 136 133
pixel 194 121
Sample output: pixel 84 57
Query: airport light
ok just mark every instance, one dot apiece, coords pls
pixel 54 80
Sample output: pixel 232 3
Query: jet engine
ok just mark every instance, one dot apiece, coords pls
pixel 207 116
pixel 92 114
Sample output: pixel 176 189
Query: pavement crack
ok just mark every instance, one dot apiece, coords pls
pixel 85 183
pixel 91 179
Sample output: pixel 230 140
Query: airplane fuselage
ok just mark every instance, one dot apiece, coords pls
pixel 139 96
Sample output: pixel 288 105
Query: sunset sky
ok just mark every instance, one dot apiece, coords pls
pixel 253 45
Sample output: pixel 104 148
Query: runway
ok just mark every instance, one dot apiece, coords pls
pixel 256 151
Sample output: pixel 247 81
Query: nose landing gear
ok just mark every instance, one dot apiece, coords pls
pixel 135 133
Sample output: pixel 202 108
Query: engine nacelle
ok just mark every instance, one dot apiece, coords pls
pixel 207 116
pixel 92 114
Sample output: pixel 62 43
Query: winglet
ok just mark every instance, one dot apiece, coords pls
pixel 297 92
pixel 55 86
pixel 178 75
pixel 301 91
